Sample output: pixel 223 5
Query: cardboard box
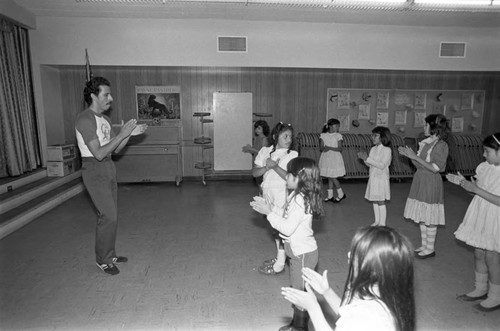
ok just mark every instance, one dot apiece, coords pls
pixel 61 168
pixel 61 152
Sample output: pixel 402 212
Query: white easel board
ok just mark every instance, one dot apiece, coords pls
pixel 232 130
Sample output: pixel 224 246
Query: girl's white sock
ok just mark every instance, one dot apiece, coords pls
pixel 278 244
pixel 340 193
pixel 377 215
pixel 493 299
pixel 383 214
pixel 431 239
pixel 423 234
pixel 280 261
pixel 330 193
pixel 481 285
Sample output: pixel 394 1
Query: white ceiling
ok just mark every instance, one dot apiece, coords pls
pixel 257 12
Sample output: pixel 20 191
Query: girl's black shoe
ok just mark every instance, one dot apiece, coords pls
pixel 337 199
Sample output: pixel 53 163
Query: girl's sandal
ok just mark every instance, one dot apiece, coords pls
pixel 269 270
pixel 269 262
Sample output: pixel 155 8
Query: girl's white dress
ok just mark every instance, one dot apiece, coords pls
pixel 331 163
pixel 481 225
pixel 273 186
pixel 378 188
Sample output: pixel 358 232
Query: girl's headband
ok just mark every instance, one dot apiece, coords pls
pixel 493 135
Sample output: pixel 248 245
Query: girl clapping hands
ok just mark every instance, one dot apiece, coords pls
pixel 378 293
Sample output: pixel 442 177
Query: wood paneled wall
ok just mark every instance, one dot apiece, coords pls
pixel 292 95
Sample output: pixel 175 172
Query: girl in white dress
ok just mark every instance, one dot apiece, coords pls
pixel 481 226
pixel 271 163
pixel 378 293
pixel 331 162
pixel 378 189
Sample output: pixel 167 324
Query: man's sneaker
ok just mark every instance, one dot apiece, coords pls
pixel 119 259
pixel 110 269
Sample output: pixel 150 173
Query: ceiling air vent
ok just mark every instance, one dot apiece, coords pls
pixel 452 49
pixel 232 44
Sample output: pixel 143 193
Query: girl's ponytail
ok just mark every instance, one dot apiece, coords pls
pixel 492 141
pixel 325 128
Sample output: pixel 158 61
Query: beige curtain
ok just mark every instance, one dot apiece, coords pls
pixel 19 146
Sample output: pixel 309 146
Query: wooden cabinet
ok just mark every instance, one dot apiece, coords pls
pixel 149 163
pixel 156 157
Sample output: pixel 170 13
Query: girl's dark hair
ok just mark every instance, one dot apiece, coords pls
pixel 279 129
pixel 309 184
pixel 382 257
pixel 385 135
pixel 93 86
pixel 492 141
pixel 438 125
pixel 331 121
pixel 263 124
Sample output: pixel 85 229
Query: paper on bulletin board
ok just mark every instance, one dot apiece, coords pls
pixel 400 117
pixel 364 112
pixel 457 124
pixel 401 98
pixel 344 123
pixel 382 118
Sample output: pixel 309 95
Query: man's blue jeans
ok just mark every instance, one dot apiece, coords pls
pixel 99 178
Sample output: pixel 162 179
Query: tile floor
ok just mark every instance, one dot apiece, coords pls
pixel 193 254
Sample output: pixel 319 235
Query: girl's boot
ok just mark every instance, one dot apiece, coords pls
pixel 480 291
pixel 300 321
pixel 493 301
pixel 289 327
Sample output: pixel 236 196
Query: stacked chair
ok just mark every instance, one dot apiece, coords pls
pixel 351 145
pixel 401 166
pixel 465 153
pixel 307 144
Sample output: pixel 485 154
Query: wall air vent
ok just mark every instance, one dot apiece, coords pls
pixel 452 49
pixel 232 44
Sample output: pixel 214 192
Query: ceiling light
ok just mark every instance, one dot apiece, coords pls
pixel 454 2
pixel 388 5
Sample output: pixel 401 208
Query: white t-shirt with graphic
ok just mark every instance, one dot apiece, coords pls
pixel 91 126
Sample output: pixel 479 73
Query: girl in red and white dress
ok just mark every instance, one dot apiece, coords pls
pixel 425 203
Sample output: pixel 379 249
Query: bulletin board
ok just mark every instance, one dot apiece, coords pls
pixel 404 111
